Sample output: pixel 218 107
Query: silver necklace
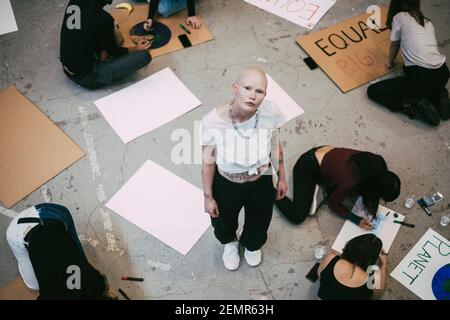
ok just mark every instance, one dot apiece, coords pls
pixel 230 113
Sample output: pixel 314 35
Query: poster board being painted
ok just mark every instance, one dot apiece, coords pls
pixel 351 53
pixel 32 148
pixel 7 20
pixel 384 228
pixel 426 268
pixel 164 205
pixel 301 12
pixel 127 22
pixel 147 105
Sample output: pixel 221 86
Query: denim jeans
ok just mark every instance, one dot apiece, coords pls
pixel 105 73
pixel 169 7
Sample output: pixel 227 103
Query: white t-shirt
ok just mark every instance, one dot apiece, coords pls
pixel 419 45
pixel 235 154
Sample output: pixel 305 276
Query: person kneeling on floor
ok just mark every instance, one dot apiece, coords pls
pixel 421 92
pixel 345 174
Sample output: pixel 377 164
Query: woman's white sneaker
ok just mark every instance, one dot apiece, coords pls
pixel 253 258
pixel 231 256
pixel 313 209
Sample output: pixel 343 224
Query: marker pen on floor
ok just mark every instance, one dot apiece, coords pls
pixel 185 29
pixel 131 278
pixel 124 294
pixel 405 224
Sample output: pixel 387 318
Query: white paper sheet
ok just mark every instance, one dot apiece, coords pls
pixel 147 105
pixel 164 205
pixel 426 268
pixel 277 95
pixel 7 20
pixel 385 229
pixel 305 13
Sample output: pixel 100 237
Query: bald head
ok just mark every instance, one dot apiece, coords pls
pixel 253 75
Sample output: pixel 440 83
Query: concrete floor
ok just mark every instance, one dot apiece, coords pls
pixel 244 36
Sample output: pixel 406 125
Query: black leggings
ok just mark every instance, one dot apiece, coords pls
pixel 306 177
pixel 417 83
pixel 256 197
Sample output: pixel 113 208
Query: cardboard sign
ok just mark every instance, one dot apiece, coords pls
pixel 176 216
pixel 426 268
pixel 351 53
pixel 384 228
pixel 305 13
pixel 32 148
pixel 127 22
pixel 17 290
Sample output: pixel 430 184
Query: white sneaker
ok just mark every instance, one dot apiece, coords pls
pixel 312 210
pixel 253 258
pixel 231 256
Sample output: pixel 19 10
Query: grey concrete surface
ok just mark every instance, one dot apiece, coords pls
pixel 244 36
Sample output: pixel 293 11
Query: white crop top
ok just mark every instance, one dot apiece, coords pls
pixel 235 154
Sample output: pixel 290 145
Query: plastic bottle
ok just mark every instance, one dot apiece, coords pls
pixel 409 203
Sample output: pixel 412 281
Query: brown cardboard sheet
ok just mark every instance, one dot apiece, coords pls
pixel 351 53
pixel 127 22
pixel 17 290
pixel 33 149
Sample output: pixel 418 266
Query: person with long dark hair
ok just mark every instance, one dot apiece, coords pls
pixel 348 276
pixel 345 174
pixel 421 91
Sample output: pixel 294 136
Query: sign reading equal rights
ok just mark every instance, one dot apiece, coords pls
pixel 351 53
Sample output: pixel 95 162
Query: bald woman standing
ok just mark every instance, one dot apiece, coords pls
pixel 240 146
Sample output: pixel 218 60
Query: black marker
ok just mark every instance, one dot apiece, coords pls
pixel 427 211
pixel 184 28
pixel 124 294
pixel 131 278
pixel 405 224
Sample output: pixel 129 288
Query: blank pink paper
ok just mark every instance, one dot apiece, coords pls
pixel 147 105
pixel 164 205
pixel 287 105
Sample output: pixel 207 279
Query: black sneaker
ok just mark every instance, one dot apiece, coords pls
pixel 427 111
pixel 444 104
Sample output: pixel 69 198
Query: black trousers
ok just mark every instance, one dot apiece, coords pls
pixel 417 83
pixel 105 73
pixel 306 177
pixel 256 197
